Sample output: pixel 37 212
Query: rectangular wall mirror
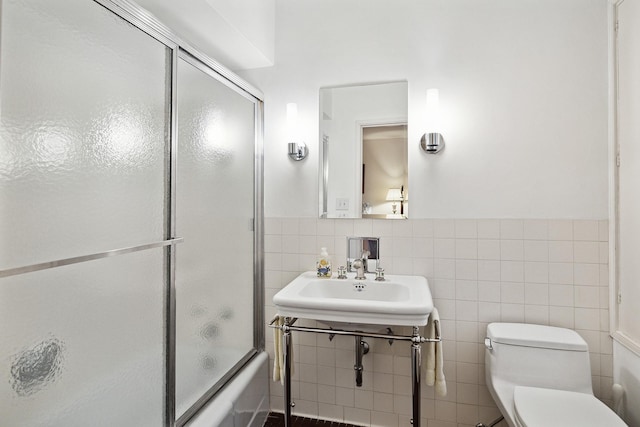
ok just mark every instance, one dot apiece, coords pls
pixel 363 151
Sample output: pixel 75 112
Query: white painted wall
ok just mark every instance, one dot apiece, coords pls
pixel 629 171
pixel 523 89
pixel 627 330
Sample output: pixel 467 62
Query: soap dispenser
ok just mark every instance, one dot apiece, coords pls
pixel 323 265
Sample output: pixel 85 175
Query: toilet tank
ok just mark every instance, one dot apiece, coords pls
pixel 537 356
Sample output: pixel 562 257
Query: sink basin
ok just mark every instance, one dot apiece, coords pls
pixel 398 301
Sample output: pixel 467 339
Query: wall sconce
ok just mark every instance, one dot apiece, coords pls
pixel 297 150
pixel 394 195
pixel 432 141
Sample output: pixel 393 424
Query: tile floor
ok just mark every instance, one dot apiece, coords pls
pixel 277 420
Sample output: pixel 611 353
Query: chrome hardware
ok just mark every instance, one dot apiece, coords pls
pixel 297 151
pixel 432 142
pixel 492 423
pixel 342 272
pixel 380 274
pixel 360 267
pixel 359 287
pixel 365 259
pixel 487 343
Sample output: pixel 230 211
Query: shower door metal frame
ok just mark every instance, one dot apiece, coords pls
pixel 257 224
pixel 148 24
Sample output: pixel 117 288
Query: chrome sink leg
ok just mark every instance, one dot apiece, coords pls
pixel 286 353
pixel 416 361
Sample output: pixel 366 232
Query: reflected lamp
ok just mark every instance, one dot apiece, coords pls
pixel 394 195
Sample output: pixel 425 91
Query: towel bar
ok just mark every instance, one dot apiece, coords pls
pixel 332 331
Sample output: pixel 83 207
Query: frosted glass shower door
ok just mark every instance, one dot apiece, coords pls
pixel 82 345
pixel 83 108
pixel 82 132
pixel 214 215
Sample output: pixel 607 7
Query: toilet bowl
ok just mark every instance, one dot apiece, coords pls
pixel 540 376
pixel 560 408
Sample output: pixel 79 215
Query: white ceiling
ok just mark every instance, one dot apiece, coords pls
pixel 236 33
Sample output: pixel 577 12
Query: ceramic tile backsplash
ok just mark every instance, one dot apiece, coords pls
pixel 552 272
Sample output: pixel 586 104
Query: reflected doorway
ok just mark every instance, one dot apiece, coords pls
pixel 384 171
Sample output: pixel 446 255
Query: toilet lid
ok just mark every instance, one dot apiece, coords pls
pixel 541 407
pixel 540 336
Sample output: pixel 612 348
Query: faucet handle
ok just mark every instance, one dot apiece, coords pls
pixel 380 274
pixel 342 272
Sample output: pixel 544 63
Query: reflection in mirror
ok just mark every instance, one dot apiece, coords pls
pixel 366 249
pixel 384 171
pixel 363 134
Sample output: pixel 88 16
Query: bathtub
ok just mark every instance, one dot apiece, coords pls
pixel 243 402
pixel 101 401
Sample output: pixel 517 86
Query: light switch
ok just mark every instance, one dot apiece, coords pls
pixel 342 204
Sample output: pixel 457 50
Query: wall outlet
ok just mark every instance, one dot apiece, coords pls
pixel 342 204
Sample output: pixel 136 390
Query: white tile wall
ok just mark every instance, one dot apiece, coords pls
pixel 552 272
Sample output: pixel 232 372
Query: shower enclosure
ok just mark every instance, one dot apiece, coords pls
pixel 130 219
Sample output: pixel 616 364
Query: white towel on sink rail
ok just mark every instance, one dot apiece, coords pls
pixel 277 352
pixel 434 361
pixel 278 355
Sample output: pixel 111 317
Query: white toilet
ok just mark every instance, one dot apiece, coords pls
pixel 540 376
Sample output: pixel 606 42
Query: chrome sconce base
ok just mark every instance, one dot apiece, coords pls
pixel 298 151
pixel 432 143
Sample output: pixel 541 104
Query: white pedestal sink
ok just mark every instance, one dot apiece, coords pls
pixel 362 304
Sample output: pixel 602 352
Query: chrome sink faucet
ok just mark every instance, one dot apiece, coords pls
pixel 358 264
pixel 361 265
pixel 365 260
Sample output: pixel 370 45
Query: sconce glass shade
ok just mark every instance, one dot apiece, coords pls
pixel 433 109
pixel 432 141
pixel 296 150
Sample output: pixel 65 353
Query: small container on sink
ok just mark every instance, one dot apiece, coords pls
pixel 323 266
